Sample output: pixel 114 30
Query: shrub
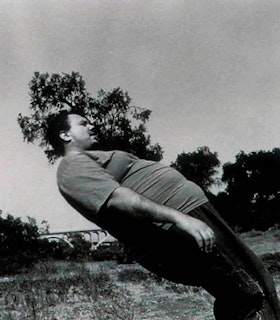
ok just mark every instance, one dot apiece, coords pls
pixel 272 262
pixel 134 275
pixel 20 245
pixel 114 251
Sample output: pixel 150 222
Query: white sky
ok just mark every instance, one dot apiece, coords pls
pixel 208 69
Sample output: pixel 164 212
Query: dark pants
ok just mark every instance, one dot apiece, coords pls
pixel 237 294
pixel 232 273
pixel 178 259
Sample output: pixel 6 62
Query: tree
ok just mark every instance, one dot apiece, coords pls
pixel 118 124
pixel 81 247
pixel 199 166
pixel 20 245
pixel 253 184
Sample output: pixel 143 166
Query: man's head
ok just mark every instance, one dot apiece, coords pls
pixel 70 131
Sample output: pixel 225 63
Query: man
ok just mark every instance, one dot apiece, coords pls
pixel 166 220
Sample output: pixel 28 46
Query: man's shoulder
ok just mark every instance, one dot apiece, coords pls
pixel 83 163
pixel 72 163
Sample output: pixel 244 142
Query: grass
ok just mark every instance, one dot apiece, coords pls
pixel 35 295
pixel 70 291
pixel 66 291
pixel 109 291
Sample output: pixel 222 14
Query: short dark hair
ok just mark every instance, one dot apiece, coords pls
pixel 56 124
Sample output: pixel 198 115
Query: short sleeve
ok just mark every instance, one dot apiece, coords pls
pixel 85 184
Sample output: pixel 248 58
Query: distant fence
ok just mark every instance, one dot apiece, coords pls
pixel 97 237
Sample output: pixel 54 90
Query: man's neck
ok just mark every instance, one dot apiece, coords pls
pixel 69 151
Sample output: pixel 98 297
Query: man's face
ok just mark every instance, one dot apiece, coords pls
pixel 81 132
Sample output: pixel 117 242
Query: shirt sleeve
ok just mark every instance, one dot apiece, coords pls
pixel 86 185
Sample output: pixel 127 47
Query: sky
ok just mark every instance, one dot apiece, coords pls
pixel 208 70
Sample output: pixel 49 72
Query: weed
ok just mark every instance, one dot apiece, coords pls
pixel 133 275
pixel 34 295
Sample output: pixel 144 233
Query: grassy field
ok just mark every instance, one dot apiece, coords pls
pixel 109 291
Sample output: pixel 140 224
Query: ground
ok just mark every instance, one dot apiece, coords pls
pixel 111 291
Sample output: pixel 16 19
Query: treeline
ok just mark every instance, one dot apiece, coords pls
pixel 251 185
pixel 21 246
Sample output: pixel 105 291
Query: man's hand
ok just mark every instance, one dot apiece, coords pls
pixel 203 235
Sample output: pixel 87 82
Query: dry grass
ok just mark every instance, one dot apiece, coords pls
pixel 114 292
pixel 108 291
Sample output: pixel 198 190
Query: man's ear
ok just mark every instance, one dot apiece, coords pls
pixel 65 136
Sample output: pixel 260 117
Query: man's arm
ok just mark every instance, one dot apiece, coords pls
pixel 140 207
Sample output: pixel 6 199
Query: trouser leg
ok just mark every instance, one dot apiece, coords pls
pixel 237 294
pixel 178 259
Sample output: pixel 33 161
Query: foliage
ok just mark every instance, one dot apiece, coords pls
pixel 81 247
pixel 115 251
pixel 272 262
pixel 81 250
pixel 20 246
pixel 253 189
pixel 33 295
pixel 118 124
pixel 134 275
pixel 199 166
pixel 251 198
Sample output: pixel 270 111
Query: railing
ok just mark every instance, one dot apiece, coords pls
pixel 97 237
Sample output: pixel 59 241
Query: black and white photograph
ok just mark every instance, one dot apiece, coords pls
pixel 140 160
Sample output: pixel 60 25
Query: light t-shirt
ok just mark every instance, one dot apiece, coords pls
pixel 87 180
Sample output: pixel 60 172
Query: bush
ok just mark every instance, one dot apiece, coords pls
pixel 272 262
pixel 20 246
pixel 134 275
pixel 114 251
